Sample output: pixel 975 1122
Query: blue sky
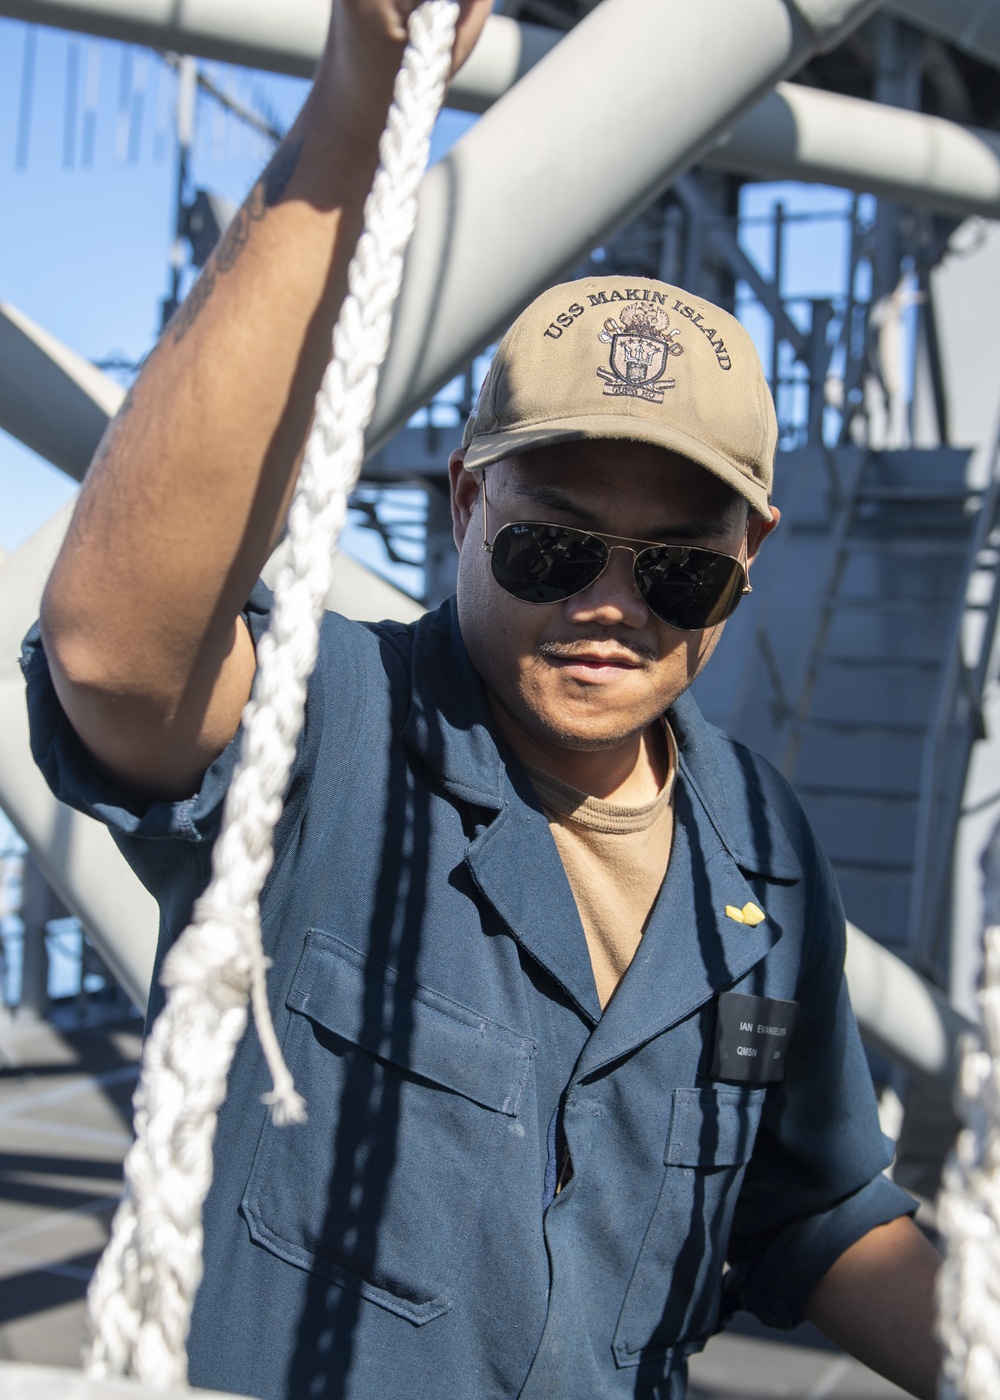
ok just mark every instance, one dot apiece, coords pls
pixel 84 247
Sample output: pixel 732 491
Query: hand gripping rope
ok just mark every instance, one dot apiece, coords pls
pixel 140 1300
pixel 969 1204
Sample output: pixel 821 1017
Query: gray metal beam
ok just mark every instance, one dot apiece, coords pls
pixel 52 399
pixel 568 156
pixel 800 133
pixel 286 38
pixel 76 855
pixel 901 1014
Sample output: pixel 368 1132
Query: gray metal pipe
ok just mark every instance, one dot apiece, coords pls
pixel 800 133
pixel 566 157
pixel 76 855
pixel 52 399
pixel 902 1015
pixel 57 403
pixel 285 38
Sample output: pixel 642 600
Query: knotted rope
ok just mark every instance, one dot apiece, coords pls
pixel 140 1300
pixel 969 1204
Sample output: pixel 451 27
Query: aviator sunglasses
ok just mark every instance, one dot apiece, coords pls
pixel 685 586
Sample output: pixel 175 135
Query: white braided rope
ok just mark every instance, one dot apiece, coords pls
pixel 969 1212
pixel 139 1303
pixel 968 1207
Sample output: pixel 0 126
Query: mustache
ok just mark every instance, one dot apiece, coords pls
pixel 578 646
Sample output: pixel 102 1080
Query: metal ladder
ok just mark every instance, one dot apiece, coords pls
pixel 855 742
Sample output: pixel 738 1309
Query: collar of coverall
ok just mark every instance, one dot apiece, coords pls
pixel 449 725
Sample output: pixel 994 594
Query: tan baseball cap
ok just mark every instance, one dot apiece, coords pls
pixel 627 357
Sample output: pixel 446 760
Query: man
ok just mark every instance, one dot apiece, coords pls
pixel 555 965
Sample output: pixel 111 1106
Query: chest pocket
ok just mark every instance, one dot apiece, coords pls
pixel 408 1097
pixel 672 1302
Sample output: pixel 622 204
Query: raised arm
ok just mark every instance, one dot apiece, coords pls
pixel 190 485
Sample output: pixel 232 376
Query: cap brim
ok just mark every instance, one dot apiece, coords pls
pixel 488 448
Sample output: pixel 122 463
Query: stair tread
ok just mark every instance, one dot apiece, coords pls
pixel 936 548
pixel 879 663
pixel 860 602
pixel 928 492
pixel 863 796
pixel 872 867
pixel 867 726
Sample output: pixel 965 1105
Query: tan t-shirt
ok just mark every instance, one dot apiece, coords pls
pixel 615 856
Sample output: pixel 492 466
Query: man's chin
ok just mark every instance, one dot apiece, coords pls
pixel 581 737
pixel 589 723
pixel 553 725
pixel 575 743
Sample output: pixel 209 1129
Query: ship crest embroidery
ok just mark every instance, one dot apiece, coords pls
pixel 641 344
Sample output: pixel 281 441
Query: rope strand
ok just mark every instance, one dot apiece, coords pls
pixel 969 1203
pixel 140 1299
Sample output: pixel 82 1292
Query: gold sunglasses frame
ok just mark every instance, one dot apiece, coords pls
pixel 619 542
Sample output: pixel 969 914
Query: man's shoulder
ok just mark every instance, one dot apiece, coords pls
pixel 413 676
pixel 340 635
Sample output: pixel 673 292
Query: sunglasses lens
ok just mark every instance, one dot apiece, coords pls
pixel 689 588
pixel 546 563
pixel 686 587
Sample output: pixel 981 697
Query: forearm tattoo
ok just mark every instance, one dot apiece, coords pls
pixel 264 196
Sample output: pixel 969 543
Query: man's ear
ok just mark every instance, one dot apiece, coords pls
pixel 464 494
pixel 758 530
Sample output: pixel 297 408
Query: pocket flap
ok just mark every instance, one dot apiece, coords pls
pixel 713 1127
pixel 408 1025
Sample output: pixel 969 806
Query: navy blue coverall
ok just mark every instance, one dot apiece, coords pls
pixel 433 990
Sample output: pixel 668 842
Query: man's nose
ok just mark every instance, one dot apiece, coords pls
pixel 613 599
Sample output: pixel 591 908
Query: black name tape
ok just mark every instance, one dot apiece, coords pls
pixel 752 1037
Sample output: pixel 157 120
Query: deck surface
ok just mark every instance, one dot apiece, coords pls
pixel 65 1092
